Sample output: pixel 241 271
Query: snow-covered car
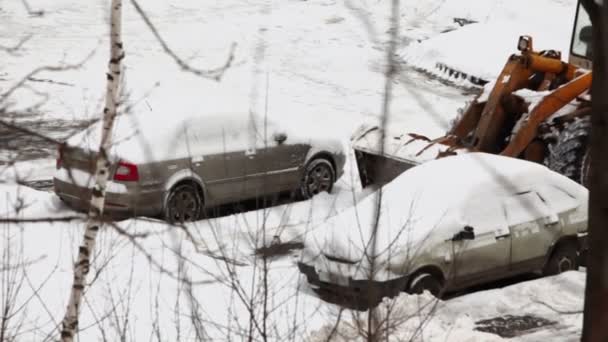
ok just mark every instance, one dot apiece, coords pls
pixel 176 165
pixel 449 224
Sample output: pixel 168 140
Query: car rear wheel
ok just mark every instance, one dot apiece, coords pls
pixel 425 282
pixel 183 204
pixel 319 176
pixel 563 258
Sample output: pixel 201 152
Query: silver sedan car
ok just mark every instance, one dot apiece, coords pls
pixel 177 166
pixel 449 224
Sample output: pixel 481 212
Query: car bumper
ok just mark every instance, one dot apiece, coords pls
pixel 349 292
pixel 134 203
pixel 340 160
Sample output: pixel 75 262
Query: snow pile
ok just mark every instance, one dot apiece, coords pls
pixel 481 49
pixel 397 143
pixel 24 202
pixel 557 299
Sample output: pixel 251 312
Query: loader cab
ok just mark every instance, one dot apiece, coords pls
pixel 580 45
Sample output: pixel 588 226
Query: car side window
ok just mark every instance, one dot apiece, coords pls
pixel 216 135
pixel 263 130
pixel 486 215
pixel 557 199
pixel 525 207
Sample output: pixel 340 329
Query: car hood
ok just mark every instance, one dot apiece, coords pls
pixel 402 219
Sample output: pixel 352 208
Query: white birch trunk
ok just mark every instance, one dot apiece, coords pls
pixel 81 268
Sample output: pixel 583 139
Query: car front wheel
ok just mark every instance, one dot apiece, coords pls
pixel 319 176
pixel 183 204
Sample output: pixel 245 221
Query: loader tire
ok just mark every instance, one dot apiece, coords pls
pixel 570 153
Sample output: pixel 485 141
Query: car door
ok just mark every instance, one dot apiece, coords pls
pixel 278 159
pixel 486 256
pixel 534 227
pixel 217 149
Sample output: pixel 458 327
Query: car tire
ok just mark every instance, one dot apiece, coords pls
pixel 563 258
pixel 319 175
pixel 425 282
pixel 183 204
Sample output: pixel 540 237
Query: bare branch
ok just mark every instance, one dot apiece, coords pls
pixel 28 131
pixel 214 74
pixel 30 11
pixel 64 67
pixel 12 50
pixel 561 312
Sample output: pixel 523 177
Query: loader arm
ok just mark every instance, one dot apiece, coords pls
pixel 546 107
pixel 514 76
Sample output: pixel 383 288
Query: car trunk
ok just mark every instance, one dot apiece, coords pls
pixel 77 158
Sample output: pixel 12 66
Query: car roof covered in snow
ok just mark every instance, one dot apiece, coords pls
pixel 454 179
pixel 466 173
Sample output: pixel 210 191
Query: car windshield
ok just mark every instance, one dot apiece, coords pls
pixel 581 40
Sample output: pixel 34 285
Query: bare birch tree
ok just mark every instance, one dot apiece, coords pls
pixel 94 222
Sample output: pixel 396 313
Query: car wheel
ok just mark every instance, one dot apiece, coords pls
pixel 425 282
pixel 319 176
pixel 183 204
pixel 563 258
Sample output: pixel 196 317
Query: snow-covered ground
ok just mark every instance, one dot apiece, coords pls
pixel 320 64
pixel 141 283
pixel 482 48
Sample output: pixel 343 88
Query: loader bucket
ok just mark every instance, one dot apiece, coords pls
pixel 377 170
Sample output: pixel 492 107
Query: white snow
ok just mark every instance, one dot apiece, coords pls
pixel 557 299
pixel 400 145
pixel 481 49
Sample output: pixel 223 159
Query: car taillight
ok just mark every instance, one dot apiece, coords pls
pixel 126 172
pixel 59 156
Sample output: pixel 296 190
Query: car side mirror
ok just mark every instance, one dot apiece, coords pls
pixel 586 34
pixel 280 137
pixel 466 234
